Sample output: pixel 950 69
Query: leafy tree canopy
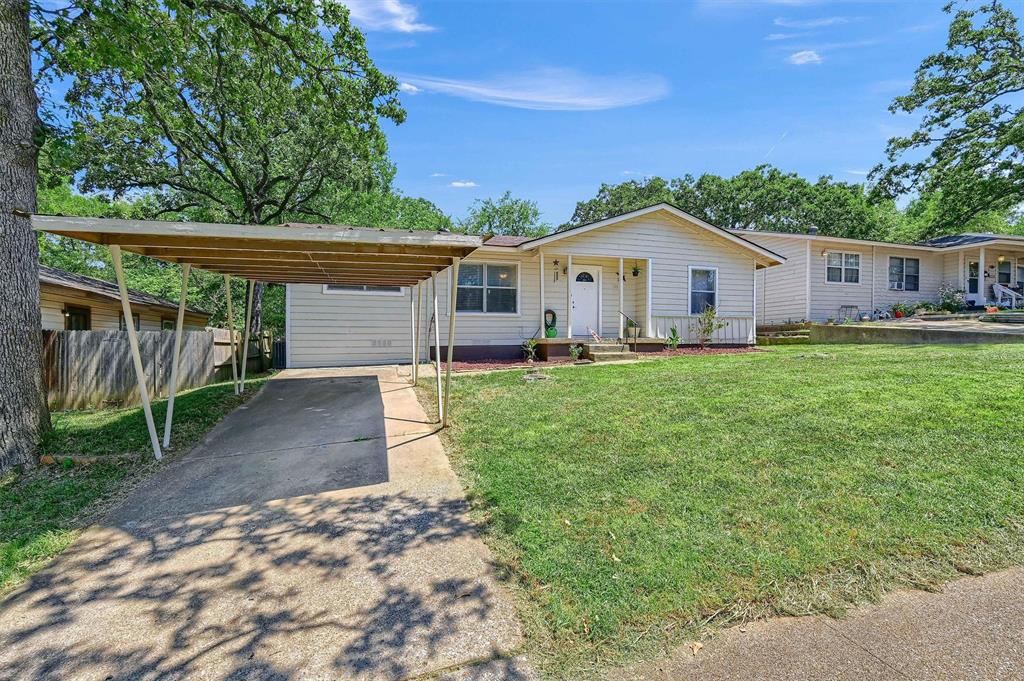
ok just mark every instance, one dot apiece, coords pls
pixel 506 216
pixel 966 153
pixel 250 111
pixel 762 198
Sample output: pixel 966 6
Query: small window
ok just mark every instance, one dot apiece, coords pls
pixel 703 289
pixel 842 268
pixel 1005 272
pixel 363 288
pixel 77 318
pixel 167 323
pixel 585 277
pixel 488 287
pixel 904 274
pixel 136 322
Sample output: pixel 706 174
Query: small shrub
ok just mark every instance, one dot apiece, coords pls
pixel 530 349
pixel 673 339
pixel 705 325
pixel 575 351
pixel 951 298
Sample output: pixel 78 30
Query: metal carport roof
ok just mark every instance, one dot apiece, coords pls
pixel 285 254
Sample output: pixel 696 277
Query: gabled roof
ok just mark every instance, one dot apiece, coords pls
pixel 80 282
pixel 768 257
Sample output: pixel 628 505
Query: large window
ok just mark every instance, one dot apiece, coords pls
pixel 363 288
pixel 1020 275
pixel 488 287
pixel 703 289
pixel 1004 272
pixel 77 318
pixel 904 274
pixel 842 268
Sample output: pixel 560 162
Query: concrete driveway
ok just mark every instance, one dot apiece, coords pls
pixel 317 532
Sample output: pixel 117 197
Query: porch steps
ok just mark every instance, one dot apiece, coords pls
pixel 794 337
pixel 1004 317
pixel 607 351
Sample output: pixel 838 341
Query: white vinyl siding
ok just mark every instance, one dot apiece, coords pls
pixel 782 290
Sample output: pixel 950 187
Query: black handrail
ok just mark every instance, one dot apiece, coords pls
pixel 636 329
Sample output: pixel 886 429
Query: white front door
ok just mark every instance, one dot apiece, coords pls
pixel 973 295
pixel 586 299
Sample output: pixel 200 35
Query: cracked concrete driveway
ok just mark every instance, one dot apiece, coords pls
pixel 317 532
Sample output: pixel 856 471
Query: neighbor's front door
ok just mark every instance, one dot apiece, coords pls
pixel 973 294
pixel 586 283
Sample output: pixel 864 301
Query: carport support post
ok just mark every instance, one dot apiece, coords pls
pixel 245 336
pixel 173 390
pixel 133 342
pixel 452 294
pixel 419 328
pixel 412 333
pixel 437 345
pixel 231 335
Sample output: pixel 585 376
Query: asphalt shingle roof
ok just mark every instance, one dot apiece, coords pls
pixel 52 275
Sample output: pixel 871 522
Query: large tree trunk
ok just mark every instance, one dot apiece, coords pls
pixel 257 310
pixel 23 413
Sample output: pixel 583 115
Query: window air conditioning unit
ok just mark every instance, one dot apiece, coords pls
pixel 895 285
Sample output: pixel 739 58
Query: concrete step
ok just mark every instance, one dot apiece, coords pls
pixel 609 356
pixel 1004 318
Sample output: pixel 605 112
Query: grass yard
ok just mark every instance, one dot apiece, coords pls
pixel 635 505
pixel 44 510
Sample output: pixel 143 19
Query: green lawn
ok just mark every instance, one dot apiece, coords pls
pixel 635 504
pixel 43 511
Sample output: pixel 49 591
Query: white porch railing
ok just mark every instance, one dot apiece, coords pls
pixel 737 330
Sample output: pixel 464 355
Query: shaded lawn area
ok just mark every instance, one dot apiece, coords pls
pixel 636 504
pixel 44 510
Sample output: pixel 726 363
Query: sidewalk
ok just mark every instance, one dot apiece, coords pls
pixel 974 629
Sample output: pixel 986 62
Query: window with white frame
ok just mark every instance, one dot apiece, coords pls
pixel 488 287
pixel 904 274
pixel 363 288
pixel 136 322
pixel 1004 272
pixel 1020 274
pixel 703 289
pixel 842 268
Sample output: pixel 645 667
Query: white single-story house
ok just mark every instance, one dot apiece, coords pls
pixel 638 274
pixel 827 277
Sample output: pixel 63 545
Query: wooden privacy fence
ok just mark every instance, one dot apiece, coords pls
pixel 90 369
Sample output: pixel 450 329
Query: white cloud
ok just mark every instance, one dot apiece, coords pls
pixel 785 36
pixel 439 174
pixel 804 57
pixel 462 184
pixel 860 173
pixel 552 89
pixel 386 15
pixel 409 89
pixel 811 23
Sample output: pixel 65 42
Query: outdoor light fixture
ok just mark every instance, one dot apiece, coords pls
pixel 1001 258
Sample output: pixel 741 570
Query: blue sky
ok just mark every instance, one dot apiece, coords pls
pixel 550 99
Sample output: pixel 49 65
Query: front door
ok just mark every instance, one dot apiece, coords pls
pixel 973 296
pixel 586 299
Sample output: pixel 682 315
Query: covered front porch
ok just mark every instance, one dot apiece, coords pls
pixel 1002 282
pixel 586 298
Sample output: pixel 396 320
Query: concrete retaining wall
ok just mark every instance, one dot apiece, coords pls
pixel 855 333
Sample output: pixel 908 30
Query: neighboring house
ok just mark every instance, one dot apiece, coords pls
pixel 657 266
pixel 831 277
pixel 74 302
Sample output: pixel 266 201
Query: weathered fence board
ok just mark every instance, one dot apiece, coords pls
pixel 90 369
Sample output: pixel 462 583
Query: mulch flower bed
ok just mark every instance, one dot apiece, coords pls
pixel 492 364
